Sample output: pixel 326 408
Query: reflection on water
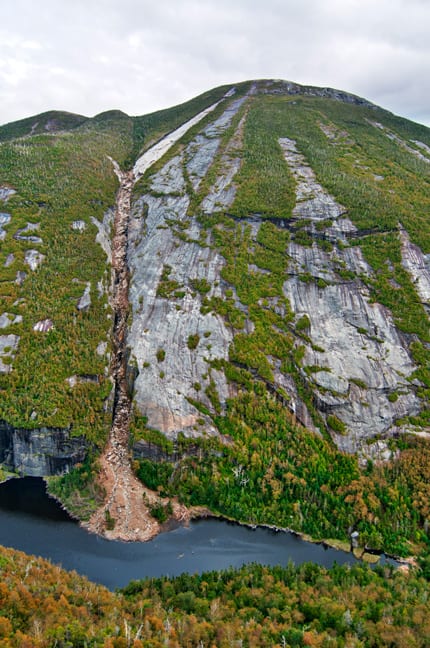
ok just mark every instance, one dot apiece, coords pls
pixel 33 522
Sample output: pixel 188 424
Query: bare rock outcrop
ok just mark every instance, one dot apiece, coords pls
pixel 40 452
pixel 43 326
pixel 79 225
pixel 282 87
pixel 364 359
pixel 312 200
pixel 33 258
pixel 8 319
pixel 424 157
pixel 8 347
pixel 6 193
pixel 26 233
pixel 169 368
pixel 84 301
pixel 361 374
pixel 418 266
pixel 360 363
pixel 172 341
pixel 147 159
pixel 9 260
pixel 104 233
pixel 222 193
pixel 4 220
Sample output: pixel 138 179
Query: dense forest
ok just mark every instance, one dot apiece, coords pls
pixel 345 607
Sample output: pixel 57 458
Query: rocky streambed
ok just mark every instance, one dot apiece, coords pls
pixel 125 513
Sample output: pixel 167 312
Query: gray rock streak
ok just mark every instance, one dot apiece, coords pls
pixel 418 266
pixel 162 389
pixel 313 201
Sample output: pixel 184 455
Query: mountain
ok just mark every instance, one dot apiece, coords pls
pixel 52 121
pixel 237 290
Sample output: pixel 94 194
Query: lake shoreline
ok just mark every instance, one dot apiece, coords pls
pixel 203 513
pixel 370 556
pixel 33 522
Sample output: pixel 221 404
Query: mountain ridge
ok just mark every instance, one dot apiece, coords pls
pixel 56 120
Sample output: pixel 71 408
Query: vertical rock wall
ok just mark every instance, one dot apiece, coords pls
pixel 40 452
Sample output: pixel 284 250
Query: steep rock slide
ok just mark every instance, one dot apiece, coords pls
pixel 125 512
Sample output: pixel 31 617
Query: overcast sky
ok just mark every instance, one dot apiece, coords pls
pixel 87 56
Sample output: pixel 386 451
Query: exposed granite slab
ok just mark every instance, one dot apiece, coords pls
pixel 4 220
pixel 33 258
pixel 79 225
pixel 8 346
pixel 366 356
pixel 104 233
pixel 8 319
pixel 6 193
pixel 24 234
pixel 84 301
pixel 163 388
pixel 9 260
pixel 148 158
pixel 222 193
pixel 313 201
pixel 402 143
pixel 418 266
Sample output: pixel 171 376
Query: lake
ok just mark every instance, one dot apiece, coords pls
pixel 33 522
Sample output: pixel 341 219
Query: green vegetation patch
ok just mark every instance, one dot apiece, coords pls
pixel 166 286
pixel 77 490
pixel 59 179
pixel 193 341
pixel 264 183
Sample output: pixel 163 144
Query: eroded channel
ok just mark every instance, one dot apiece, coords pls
pixel 125 512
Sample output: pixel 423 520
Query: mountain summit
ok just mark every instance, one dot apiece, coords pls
pixel 224 303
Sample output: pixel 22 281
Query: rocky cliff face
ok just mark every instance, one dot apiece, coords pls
pixel 172 340
pixel 279 87
pixel 362 358
pixel 418 266
pixel 355 363
pixel 40 452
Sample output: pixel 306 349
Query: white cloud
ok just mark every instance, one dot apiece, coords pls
pixel 31 45
pixel 139 55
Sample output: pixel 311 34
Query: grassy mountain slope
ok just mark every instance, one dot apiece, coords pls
pixel 47 122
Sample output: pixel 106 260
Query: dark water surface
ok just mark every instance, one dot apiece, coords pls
pixel 33 522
